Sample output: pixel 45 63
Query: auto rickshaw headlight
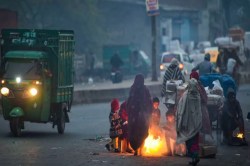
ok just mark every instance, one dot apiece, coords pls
pixel 18 80
pixel 33 91
pixel 5 91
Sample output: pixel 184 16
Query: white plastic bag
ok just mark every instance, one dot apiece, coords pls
pixel 217 88
pixel 230 65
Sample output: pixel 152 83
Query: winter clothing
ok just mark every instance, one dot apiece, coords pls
pixel 204 67
pixel 139 107
pixel 173 72
pixel 115 125
pixel 115 104
pixel 189 119
pixel 189 116
pixel 206 126
pixel 125 146
pixel 232 117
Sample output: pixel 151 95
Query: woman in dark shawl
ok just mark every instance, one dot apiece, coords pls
pixel 139 107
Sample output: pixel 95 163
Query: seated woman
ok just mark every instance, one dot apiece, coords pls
pixel 232 118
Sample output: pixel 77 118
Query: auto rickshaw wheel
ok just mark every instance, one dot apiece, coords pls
pixel 61 121
pixel 15 127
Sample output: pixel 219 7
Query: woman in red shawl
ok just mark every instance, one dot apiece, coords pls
pixel 139 107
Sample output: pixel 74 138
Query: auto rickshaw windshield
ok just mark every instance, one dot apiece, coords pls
pixel 27 69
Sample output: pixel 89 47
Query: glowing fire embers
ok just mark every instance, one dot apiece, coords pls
pixel 240 135
pixel 154 144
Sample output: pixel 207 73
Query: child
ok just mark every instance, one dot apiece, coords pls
pixel 171 136
pixel 155 118
pixel 125 146
pixel 115 126
pixel 156 113
pixel 170 132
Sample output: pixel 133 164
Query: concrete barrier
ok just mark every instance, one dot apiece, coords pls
pixel 106 95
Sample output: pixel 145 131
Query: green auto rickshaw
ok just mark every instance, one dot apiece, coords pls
pixel 36 77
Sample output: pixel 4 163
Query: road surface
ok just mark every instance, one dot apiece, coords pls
pixel 85 137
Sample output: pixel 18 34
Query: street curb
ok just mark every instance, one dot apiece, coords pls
pixel 106 95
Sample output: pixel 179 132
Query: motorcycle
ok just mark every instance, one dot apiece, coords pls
pixel 116 76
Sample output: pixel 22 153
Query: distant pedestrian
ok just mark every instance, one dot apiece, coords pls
pixel 115 126
pixel 116 62
pixel 139 107
pixel 204 67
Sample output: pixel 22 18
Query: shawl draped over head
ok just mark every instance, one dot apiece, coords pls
pixel 206 126
pixel 139 107
pixel 188 115
pixel 173 72
pixel 195 75
pixel 115 105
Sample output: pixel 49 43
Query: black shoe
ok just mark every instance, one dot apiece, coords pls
pixel 117 151
pixel 195 162
pixel 107 147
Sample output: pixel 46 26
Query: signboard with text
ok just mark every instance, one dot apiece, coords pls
pixel 152 7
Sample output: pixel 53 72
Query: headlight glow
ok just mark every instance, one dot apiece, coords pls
pixel 181 66
pixel 33 91
pixel 5 91
pixel 18 79
pixel 162 67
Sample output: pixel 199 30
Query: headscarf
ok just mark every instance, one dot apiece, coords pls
pixel 139 108
pixel 194 75
pixel 231 96
pixel 139 80
pixel 115 105
pixel 174 62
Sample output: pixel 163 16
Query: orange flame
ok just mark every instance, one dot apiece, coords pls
pixel 155 143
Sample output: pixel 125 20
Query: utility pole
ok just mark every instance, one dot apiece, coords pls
pixel 153 26
pixel 152 7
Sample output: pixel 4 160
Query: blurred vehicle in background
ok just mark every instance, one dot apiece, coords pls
pixel 196 56
pixel 185 62
pixel 203 45
pixel 214 52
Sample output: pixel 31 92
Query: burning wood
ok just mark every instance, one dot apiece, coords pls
pixel 155 143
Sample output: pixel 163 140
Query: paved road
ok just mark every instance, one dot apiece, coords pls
pixel 41 145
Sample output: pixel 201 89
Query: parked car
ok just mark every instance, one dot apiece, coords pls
pixel 185 62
